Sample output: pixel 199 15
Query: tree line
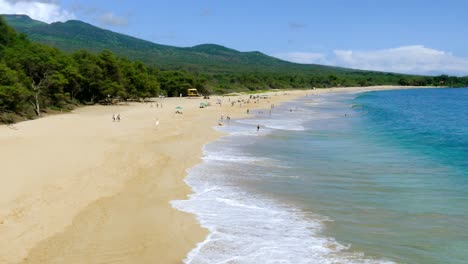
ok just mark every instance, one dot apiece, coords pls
pixel 36 78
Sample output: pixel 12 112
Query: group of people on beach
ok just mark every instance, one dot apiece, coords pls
pixel 156 105
pixel 228 118
pixel 115 117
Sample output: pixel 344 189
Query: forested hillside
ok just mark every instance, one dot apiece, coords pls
pixel 208 58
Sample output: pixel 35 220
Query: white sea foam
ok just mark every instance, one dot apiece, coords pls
pixel 250 228
pixel 282 124
pixel 231 158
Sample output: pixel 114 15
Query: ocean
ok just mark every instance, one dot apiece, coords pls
pixel 372 177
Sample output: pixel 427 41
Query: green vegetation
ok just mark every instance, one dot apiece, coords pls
pixel 76 64
pixel 35 78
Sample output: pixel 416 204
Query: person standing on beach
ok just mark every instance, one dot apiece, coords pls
pixel 258 127
pixel 113 117
pixel 118 117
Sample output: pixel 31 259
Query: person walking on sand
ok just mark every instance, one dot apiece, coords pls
pixel 258 127
pixel 113 117
pixel 118 117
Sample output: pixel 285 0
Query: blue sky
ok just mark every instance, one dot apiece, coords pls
pixel 424 37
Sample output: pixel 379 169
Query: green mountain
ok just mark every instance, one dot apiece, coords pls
pixel 74 35
pixel 22 22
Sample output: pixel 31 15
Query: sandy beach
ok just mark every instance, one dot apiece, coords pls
pixel 80 188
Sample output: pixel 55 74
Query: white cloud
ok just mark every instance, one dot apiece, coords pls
pixel 43 10
pixel 408 59
pixel 415 59
pixel 111 19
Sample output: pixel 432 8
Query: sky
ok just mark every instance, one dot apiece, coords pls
pixel 407 36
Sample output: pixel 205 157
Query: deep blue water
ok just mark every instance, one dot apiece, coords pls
pixel 433 122
pixel 339 178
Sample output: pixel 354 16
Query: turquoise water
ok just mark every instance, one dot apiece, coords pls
pixel 339 178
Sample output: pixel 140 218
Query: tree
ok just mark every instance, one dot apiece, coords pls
pixel 91 74
pixel 7 34
pixel 110 66
pixel 38 85
pixel 13 95
pixel 403 82
pixel 332 80
pixel 176 82
pixel 75 80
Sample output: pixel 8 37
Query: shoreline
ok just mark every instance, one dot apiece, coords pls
pixel 309 92
pixel 93 190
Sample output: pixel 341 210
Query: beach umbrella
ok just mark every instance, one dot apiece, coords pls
pixel 203 104
pixel 179 108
